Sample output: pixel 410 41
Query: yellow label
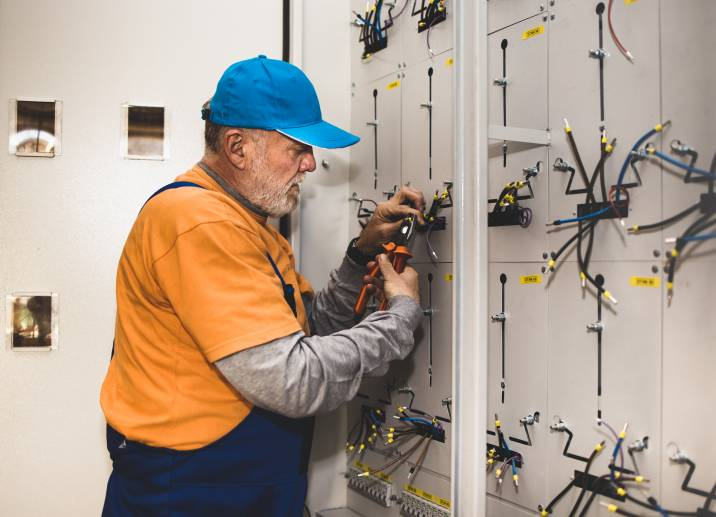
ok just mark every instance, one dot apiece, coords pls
pixel 445 503
pixel 449 61
pixel 448 277
pixel 531 279
pixel 393 85
pixel 382 476
pixel 645 281
pixel 533 32
pixel 629 2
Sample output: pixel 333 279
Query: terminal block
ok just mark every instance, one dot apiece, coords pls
pixel 376 487
pixel 419 503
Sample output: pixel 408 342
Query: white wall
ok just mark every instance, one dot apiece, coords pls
pixel 63 220
pixel 324 214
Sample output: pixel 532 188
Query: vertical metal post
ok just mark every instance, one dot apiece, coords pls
pixel 470 295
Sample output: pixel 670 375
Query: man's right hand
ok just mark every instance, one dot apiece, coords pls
pixel 397 284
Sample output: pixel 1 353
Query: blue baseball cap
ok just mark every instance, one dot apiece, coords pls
pixel 263 93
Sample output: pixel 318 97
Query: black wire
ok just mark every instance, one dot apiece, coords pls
pixel 671 220
pixel 573 238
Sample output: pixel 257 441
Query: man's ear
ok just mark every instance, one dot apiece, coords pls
pixel 235 142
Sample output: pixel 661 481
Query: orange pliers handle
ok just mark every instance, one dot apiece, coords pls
pixel 400 260
pixel 398 256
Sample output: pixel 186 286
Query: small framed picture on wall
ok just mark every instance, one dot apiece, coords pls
pixel 144 132
pixel 32 321
pixel 35 127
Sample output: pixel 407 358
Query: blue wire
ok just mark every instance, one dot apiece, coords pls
pixel 584 217
pixel 420 420
pixel 683 165
pixel 376 22
pixel 703 237
pixel 646 136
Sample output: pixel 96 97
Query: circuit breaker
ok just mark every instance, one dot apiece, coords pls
pixel 600 174
pixel 398 451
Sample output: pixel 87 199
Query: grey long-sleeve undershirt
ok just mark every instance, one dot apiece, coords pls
pixel 298 375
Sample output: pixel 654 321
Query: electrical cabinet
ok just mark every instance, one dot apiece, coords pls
pixel 558 343
pixel 402 108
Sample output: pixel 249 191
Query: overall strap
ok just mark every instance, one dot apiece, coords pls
pixel 288 290
pixel 176 184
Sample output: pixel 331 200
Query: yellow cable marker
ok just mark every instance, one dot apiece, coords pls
pixel 617 475
pixel 543 513
pixel 598 447
pixel 551 263
pixel 674 253
pixel 516 477
pixel 639 479
pixel 669 285
pixel 658 127
pixel 609 148
pixel 497 423
pixel 621 491
pixel 622 435
pixel 612 508
pixel 635 228
pixel 498 473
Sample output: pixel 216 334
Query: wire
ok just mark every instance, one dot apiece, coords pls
pixel 666 222
pixel 681 165
pixel 703 237
pixel 618 43
pixel 633 155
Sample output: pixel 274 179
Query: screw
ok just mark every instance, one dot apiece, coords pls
pixel 500 316
pixel 551 2
pixel 399 65
pixel 552 16
pixel 654 269
pixel 403 74
pixel 544 269
pixel 656 253
pixel 545 255
pixel 541 7
pixel 545 18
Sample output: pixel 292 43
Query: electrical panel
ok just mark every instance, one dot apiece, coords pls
pixel 601 173
pixel 398 451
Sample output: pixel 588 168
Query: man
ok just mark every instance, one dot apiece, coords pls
pixel 222 353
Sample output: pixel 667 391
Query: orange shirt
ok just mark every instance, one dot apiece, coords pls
pixel 194 285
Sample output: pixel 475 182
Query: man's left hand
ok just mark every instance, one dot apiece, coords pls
pixel 387 217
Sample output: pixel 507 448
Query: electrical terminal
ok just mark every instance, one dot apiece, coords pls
pixel 597 326
pixel 610 297
pixel 638 445
pixel 499 317
pixel 612 508
pixel 378 489
pixel 679 457
pixel 598 53
pixel 558 426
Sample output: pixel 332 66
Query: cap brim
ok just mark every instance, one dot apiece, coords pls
pixel 321 134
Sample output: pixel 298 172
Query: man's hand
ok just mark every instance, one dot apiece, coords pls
pixel 387 217
pixel 397 284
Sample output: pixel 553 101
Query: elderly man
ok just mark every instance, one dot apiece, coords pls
pixel 222 352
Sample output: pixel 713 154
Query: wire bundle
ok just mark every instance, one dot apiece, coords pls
pixel 621 483
pixel 693 233
pixel 374 32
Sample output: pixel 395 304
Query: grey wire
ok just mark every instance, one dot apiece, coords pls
pixel 431 251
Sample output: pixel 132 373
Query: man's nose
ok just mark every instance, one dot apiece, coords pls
pixel 308 163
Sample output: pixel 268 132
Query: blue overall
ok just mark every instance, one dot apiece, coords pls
pixel 256 470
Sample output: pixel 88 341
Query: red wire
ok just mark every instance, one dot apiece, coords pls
pixel 618 43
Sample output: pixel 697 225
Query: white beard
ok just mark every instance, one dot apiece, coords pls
pixel 275 199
